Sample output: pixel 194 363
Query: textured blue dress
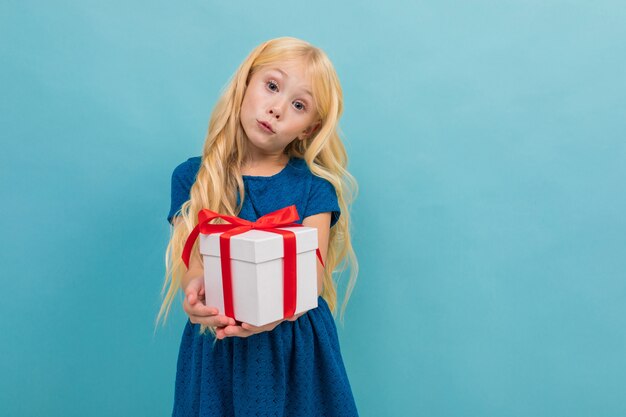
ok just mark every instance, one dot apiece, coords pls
pixel 296 370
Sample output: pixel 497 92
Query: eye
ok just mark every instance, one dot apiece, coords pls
pixel 271 84
pixel 299 105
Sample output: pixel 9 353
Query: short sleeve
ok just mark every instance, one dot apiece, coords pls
pixel 183 178
pixel 322 199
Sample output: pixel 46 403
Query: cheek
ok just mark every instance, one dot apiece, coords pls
pixel 252 100
pixel 246 104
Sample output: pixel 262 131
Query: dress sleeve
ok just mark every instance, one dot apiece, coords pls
pixel 322 199
pixel 182 180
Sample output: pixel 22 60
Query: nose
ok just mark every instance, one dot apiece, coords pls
pixel 275 110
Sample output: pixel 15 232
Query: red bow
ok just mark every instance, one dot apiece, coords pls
pixel 284 217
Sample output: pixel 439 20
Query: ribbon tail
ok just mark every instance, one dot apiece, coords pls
pixel 319 256
pixel 191 239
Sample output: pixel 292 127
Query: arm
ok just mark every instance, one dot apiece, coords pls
pixel 322 223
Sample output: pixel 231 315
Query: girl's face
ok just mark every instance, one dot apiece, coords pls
pixel 278 107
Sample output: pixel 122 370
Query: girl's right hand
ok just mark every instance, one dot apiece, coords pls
pixel 197 311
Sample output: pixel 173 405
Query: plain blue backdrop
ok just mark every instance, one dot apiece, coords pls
pixel 488 139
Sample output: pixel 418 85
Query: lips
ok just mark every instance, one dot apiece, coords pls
pixel 266 126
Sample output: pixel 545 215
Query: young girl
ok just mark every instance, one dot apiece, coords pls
pixel 272 142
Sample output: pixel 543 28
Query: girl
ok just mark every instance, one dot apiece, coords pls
pixel 272 142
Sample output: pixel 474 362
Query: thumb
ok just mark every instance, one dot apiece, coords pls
pixel 191 297
pixel 192 292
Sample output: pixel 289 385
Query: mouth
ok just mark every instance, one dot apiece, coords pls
pixel 265 126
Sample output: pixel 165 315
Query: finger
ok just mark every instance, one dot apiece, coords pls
pixel 200 309
pixel 251 328
pixel 192 294
pixel 188 308
pixel 212 321
pixel 203 310
pixel 259 329
pixel 220 332
pixel 191 297
pixel 236 331
pixel 194 288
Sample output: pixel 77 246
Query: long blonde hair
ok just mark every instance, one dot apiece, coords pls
pixel 219 178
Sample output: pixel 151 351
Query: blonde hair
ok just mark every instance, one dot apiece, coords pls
pixel 219 178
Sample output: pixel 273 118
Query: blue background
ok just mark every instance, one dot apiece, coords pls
pixel 488 138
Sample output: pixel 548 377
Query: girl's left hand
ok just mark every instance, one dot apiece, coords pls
pixel 245 329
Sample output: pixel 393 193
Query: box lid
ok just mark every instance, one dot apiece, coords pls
pixel 259 246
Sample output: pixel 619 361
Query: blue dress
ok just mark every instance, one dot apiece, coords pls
pixel 296 370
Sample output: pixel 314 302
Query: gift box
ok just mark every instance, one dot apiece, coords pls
pixel 256 259
pixel 257 272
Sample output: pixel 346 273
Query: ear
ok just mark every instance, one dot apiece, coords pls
pixel 310 130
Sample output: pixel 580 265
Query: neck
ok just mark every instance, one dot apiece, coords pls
pixel 264 164
pixel 266 160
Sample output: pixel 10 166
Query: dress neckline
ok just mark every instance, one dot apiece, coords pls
pixel 268 177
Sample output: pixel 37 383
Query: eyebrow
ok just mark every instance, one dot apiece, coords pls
pixel 287 75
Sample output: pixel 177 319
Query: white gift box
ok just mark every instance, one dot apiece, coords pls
pixel 257 273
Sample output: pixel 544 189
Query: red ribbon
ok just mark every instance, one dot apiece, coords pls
pixel 284 217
